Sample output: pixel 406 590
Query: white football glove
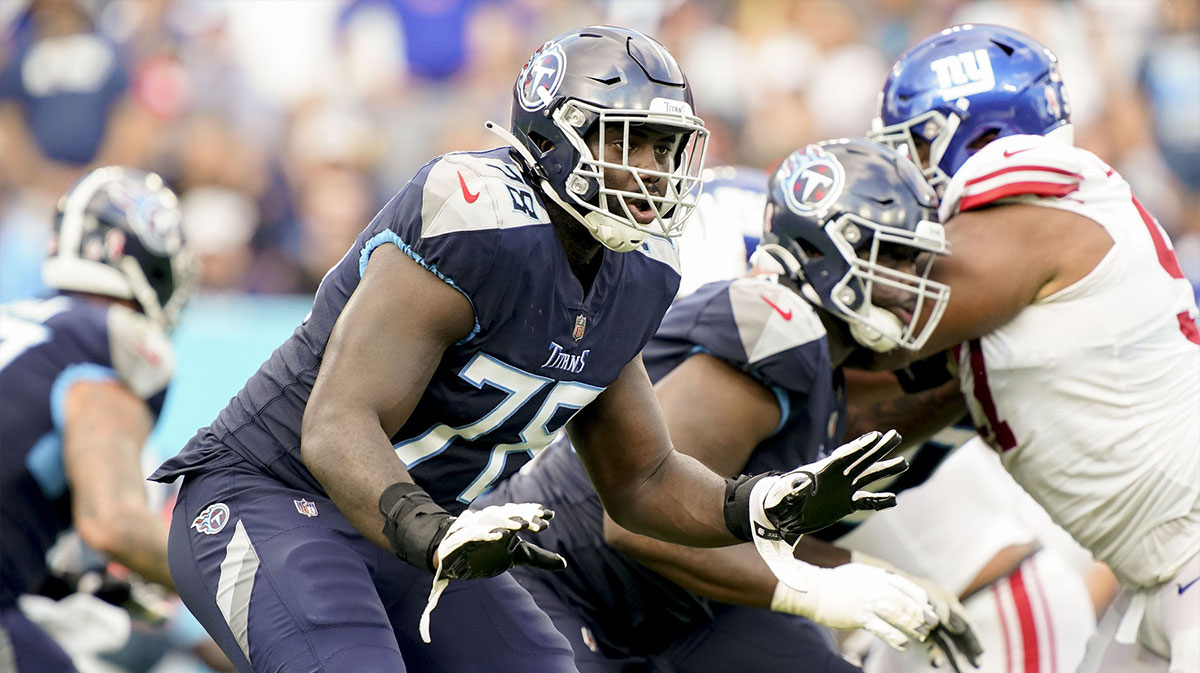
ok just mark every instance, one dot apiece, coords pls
pixel 858 596
pixel 953 640
pixel 811 497
pixel 484 543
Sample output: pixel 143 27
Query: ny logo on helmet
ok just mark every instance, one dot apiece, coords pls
pixel 811 181
pixel 964 74
pixel 541 76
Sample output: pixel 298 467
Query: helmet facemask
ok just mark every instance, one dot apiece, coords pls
pixel 935 131
pixel 606 209
pixel 849 295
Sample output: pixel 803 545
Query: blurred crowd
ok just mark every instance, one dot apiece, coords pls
pixel 284 126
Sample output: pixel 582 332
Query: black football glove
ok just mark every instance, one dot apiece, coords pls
pixel 813 496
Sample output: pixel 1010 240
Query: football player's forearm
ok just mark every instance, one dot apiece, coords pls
pixel 916 416
pixel 354 462
pixel 734 574
pixel 142 547
pixel 681 501
pixel 105 429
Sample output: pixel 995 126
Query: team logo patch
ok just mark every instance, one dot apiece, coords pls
pixel 964 74
pixel 306 507
pixel 812 180
pixel 541 77
pixel 156 223
pixel 580 326
pixel 212 519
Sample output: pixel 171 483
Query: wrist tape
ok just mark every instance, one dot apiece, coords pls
pixel 737 505
pixel 413 523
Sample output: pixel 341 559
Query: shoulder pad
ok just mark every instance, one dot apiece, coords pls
pixel 661 250
pixel 1013 166
pixel 771 318
pixel 141 352
pixel 466 191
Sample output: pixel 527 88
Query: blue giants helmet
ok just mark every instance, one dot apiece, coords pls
pixel 118 234
pixel 835 212
pixel 604 80
pixel 952 89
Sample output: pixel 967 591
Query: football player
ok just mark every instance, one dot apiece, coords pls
pixel 497 296
pixel 749 377
pixel 83 376
pixel 1073 328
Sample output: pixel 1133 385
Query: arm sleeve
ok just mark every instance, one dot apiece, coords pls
pixel 1015 167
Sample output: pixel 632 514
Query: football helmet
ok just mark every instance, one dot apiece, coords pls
pixel 953 88
pixel 839 215
pixel 602 82
pixel 118 234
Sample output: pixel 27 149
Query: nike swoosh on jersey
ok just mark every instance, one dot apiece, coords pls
pixel 1184 587
pixel 467 195
pixel 787 315
pixel 1008 154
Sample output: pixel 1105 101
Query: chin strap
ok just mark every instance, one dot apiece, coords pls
pixel 871 336
pixel 603 228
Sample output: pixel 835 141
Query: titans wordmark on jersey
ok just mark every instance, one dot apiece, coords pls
pixel 541 349
pixel 766 331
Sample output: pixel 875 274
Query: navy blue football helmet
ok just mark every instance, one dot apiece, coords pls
pixel 118 233
pixel 951 89
pixel 604 80
pixel 836 211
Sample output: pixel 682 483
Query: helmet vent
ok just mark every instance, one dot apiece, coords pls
pixel 607 81
pixel 1008 51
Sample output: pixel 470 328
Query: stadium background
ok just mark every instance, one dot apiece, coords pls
pixel 284 125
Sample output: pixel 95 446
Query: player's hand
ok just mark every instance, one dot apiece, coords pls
pixel 857 596
pixel 813 496
pixel 953 640
pixel 484 543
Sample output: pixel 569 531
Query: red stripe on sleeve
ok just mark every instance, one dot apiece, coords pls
pixel 1011 169
pixel 1015 189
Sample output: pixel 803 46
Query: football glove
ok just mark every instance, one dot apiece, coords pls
pixel 485 543
pixel 811 497
pixel 814 496
pixel 857 596
pixel 953 640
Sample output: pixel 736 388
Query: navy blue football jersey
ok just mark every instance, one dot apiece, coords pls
pixel 46 345
pixel 766 331
pixel 541 349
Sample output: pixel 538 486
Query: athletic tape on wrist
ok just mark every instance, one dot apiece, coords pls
pixel 737 505
pixel 413 523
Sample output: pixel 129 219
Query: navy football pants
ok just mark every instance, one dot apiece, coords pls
pixel 283 591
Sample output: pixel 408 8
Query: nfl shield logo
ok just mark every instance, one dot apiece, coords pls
pixel 580 325
pixel 306 508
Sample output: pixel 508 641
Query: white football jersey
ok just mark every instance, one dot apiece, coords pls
pixel 1092 395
